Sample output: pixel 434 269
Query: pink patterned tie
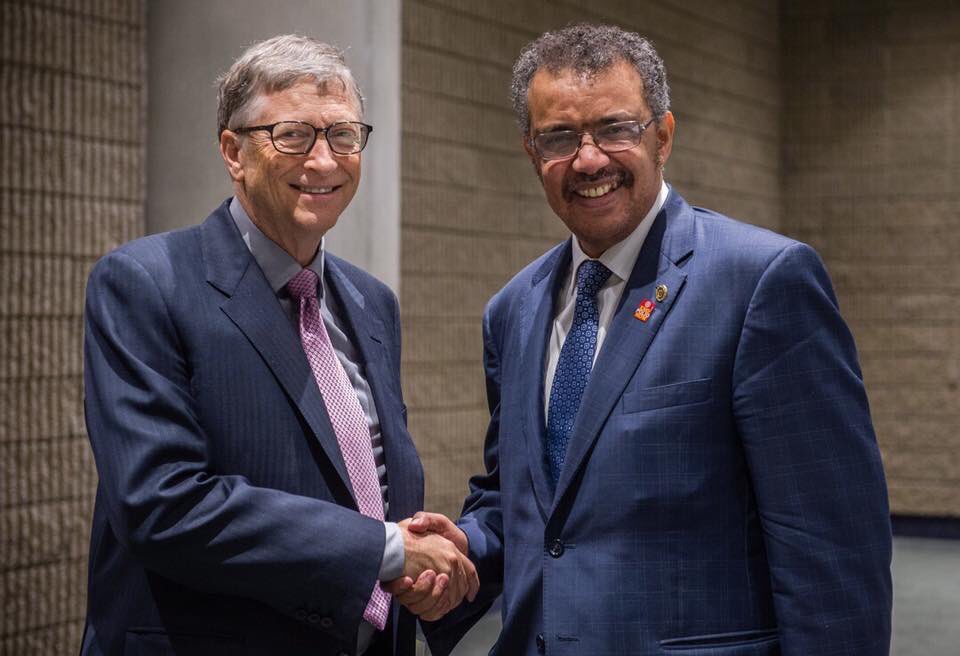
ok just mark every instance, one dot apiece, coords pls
pixel 347 417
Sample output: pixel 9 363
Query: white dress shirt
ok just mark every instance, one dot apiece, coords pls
pixel 620 259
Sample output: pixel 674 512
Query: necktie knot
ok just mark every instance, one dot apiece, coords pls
pixel 303 285
pixel 591 276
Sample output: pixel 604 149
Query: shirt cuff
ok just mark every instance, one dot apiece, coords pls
pixel 391 567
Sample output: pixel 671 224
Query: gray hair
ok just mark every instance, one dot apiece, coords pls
pixel 589 49
pixel 275 65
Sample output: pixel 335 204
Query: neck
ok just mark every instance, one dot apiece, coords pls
pixel 302 248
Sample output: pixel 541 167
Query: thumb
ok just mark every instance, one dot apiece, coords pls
pixel 398 586
pixel 423 522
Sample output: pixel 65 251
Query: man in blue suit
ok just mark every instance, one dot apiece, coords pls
pixel 244 407
pixel 680 457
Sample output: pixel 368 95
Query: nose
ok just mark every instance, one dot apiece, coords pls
pixel 590 158
pixel 321 158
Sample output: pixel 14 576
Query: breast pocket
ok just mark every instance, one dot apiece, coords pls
pixel 666 396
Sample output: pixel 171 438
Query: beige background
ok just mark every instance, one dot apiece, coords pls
pixel 834 122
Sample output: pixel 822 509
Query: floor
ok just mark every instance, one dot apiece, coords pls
pixel 926 600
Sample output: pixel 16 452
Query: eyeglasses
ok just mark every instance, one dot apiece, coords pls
pixel 610 138
pixel 297 137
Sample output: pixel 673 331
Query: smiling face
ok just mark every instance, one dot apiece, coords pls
pixel 294 199
pixel 601 197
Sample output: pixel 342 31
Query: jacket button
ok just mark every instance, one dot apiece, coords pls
pixel 541 645
pixel 313 618
pixel 556 548
pixel 326 623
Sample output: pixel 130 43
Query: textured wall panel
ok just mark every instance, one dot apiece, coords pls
pixel 871 177
pixel 473 211
pixel 71 188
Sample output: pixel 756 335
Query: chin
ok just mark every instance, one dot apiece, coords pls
pixel 313 223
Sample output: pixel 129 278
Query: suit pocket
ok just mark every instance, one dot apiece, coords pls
pixel 158 642
pixel 665 396
pixel 755 642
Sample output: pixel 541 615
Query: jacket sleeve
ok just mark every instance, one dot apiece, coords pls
pixel 802 412
pixel 482 518
pixel 213 531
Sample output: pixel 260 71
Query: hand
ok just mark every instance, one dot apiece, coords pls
pixel 444 576
pixel 424 522
pixel 420 592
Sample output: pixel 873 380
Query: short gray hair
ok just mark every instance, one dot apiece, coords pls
pixel 275 65
pixel 589 49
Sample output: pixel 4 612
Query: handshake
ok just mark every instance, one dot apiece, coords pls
pixel 437 574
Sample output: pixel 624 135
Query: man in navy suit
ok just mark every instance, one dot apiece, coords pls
pixel 244 407
pixel 680 456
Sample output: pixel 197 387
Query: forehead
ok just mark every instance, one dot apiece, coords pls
pixel 307 101
pixel 567 97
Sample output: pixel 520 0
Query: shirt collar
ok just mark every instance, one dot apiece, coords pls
pixel 277 264
pixel 622 256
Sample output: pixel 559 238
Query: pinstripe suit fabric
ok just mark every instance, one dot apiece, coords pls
pixel 224 516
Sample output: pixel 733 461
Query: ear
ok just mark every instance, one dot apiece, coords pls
pixel 231 150
pixel 665 127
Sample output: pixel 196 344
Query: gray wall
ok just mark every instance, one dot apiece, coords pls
pixel 189 43
pixel 872 181
pixel 71 188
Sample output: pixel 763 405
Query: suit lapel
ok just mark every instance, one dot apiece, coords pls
pixel 370 336
pixel 536 316
pixel 252 306
pixel 629 338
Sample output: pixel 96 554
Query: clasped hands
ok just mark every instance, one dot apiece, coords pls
pixel 437 574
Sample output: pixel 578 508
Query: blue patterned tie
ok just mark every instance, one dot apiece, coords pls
pixel 574 364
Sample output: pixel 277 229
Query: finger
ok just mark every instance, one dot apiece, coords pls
pixel 420 523
pixel 473 579
pixel 429 603
pixel 425 521
pixel 420 590
pixel 397 586
pixel 451 599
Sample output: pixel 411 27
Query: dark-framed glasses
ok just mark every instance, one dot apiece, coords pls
pixel 610 138
pixel 297 137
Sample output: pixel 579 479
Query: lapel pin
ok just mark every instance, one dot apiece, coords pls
pixel 661 293
pixel 644 310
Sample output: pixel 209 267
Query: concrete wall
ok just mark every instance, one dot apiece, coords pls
pixel 872 180
pixel 190 43
pixel 71 188
pixel 473 210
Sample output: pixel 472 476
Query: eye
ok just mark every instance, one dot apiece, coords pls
pixel 618 131
pixel 290 133
pixel 344 133
pixel 558 139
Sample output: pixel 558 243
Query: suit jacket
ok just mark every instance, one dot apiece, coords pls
pixel 224 519
pixel 722 492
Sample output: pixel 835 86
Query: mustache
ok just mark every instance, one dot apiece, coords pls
pixel 625 176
